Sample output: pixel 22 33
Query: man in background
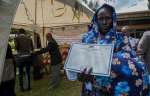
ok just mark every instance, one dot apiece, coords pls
pixel 24 48
pixel 132 41
pixel 144 48
pixel 56 59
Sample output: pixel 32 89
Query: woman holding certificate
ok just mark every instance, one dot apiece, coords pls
pixel 128 75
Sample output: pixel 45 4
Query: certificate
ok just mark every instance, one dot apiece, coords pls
pixel 95 56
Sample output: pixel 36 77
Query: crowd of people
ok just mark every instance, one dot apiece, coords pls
pixel 130 65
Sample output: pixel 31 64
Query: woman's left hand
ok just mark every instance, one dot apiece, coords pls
pixel 85 75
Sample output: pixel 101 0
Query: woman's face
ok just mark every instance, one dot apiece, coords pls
pixel 104 20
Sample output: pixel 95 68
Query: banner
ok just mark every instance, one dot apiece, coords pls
pixel 7 12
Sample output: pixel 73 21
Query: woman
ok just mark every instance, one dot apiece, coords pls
pixel 128 77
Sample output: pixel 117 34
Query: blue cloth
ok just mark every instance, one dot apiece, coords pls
pixel 128 74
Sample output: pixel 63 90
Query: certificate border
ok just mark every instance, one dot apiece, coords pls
pixel 99 74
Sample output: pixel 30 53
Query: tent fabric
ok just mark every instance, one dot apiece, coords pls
pixel 121 6
pixel 8 9
pixel 50 13
pixel 61 13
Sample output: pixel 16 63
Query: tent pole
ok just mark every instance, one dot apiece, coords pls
pixel 35 23
pixel 43 28
pixel 35 17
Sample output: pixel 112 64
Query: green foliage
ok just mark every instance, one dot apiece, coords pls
pixel 12 44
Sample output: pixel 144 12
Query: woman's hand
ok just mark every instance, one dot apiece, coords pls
pixel 85 75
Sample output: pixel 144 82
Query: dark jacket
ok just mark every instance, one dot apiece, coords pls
pixel 9 55
pixel 9 66
pixel 23 44
pixel 53 49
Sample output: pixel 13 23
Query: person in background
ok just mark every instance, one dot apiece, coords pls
pixel 7 86
pixel 24 46
pixel 56 59
pixel 133 41
pixel 143 48
pixel 128 76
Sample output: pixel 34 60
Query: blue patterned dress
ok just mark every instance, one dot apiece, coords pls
pixel 128 74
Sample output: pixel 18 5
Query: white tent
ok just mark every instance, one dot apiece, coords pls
pixel 37 14
pixel 8 9
pixel 121 6
pixel 43 15
pixel 49 13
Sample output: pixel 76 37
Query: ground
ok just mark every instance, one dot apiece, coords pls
pixel 41 88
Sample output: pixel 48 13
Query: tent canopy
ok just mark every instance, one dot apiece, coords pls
pixel 121 6
pixel 34 14
pixel 49 13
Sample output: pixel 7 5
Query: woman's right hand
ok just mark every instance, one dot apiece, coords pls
pixel 85 75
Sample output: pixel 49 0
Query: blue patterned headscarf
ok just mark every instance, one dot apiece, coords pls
pixel 93 31
pixel 94 20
